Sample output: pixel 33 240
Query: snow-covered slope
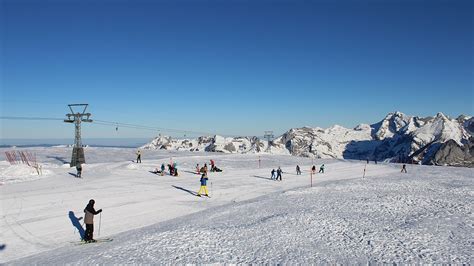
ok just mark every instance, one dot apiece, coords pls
pixel 398 137
pixel 420 217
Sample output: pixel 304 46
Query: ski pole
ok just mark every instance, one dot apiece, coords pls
pixel 100 221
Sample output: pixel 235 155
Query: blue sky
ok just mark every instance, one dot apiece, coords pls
pixel 232 67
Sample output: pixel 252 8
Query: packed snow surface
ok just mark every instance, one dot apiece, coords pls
pixel 424 216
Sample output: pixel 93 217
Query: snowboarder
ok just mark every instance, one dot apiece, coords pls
pixel 203 187
pixel 298 170
pixel 139 156
pixel 79 170
pixel 321 169
pixel 273 175
pixel 313 169
pixel 404 168
pixel 279 171
pixel 89 220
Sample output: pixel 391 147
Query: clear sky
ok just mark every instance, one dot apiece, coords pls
pixel 232 67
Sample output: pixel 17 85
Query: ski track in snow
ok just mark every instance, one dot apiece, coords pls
pixel 424 216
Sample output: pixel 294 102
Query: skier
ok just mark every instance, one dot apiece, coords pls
pixel 79 170
pixel 175 169
pixel 273 174
pixel 89 221
pixel 279 171
pixel 139 156
pixel 313 169
pixel 321 169
pixel 203 187
pixel 205 168
pixel 404 168
pixel 197 169
pixel 162 169
pixel 170 169
pixel 367 161
pixel 298 170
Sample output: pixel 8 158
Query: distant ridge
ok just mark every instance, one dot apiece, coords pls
pixel 398 137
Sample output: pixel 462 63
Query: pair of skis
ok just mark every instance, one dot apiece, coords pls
pixel 100 240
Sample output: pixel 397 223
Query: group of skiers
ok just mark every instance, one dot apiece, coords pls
pixel 276 175
pixel 313 169
pixel 204 168
pixel 173 170
pixel 321 169
pixel 204 177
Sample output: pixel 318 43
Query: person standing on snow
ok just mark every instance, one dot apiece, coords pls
pixel 321 169
pixel 313 169
pixel 298 170
pixel 212 165
pixel 175 167
pixel 162 169
pixel 89 221
pixel 273 175
pixel 203 187
pixel 279 171
pixel 139 156
pixel 404 168
pixel 205 168
pixel 79 170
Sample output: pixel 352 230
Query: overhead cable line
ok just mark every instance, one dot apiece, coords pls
pixel 118 124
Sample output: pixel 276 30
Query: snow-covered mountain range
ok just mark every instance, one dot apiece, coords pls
pixel 398 137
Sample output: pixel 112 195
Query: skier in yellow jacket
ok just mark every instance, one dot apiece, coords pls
pixel 203 187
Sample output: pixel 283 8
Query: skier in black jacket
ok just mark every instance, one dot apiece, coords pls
pixel 279 172
pixel 89 220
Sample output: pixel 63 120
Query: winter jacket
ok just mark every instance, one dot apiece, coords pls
pixel 90 212
pixel 204 181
